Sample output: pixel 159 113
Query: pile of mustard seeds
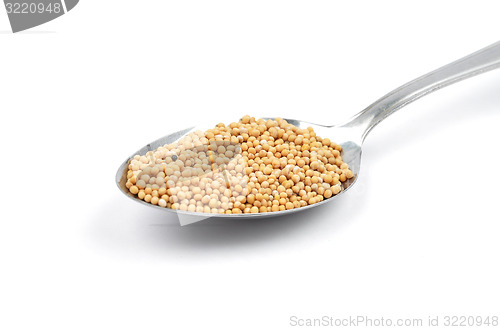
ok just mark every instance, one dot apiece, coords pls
pixel 249 166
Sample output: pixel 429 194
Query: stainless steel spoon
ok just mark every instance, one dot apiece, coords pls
pixel 351 134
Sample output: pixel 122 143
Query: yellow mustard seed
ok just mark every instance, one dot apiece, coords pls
pixel 250 166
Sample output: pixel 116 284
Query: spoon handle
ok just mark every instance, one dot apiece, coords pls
pixel 476 63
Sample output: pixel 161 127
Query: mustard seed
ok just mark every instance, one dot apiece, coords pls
pixel 250 166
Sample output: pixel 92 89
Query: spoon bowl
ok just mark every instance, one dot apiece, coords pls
pixel 351 154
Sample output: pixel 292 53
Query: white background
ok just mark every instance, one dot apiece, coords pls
pixel 416 236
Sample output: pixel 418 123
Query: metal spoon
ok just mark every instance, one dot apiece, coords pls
pixel 351 134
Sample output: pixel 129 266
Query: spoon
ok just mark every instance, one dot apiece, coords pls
pixel 351 134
